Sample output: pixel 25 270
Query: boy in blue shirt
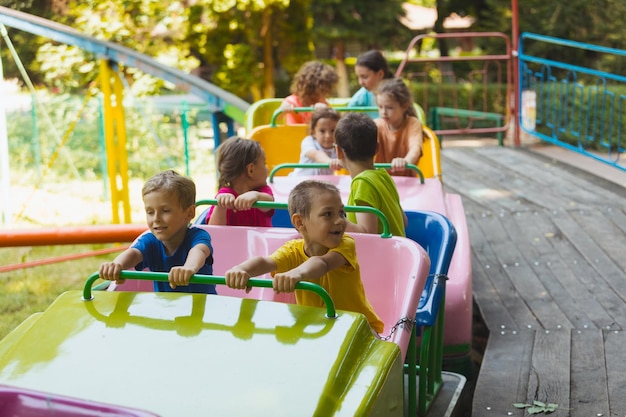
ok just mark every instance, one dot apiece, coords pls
pixel 170 245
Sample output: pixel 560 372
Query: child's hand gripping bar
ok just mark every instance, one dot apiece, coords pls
pixel 349 209
pixel 327 166
pixel 212 279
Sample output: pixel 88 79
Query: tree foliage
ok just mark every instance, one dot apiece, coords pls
pixel 253 47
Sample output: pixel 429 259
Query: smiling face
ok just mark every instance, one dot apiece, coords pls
pixel 324 132
pixel 392 112
pixel 325 226
pixel 368 78
pixel 166 218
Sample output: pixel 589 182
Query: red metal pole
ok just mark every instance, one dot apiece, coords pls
pixel 48 261
pixel 71 235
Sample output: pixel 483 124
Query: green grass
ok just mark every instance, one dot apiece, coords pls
pixel 31 290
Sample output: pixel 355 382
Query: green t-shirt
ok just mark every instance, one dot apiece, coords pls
pixel 376 188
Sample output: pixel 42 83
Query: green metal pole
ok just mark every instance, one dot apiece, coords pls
pixel 185 125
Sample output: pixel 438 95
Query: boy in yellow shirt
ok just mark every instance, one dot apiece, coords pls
pixel 324 255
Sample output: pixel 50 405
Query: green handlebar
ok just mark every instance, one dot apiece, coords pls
pixel 212 279
pixel 348 209
pixel 327 166
pixel 279 111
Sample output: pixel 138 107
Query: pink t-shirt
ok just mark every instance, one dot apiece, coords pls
pixel 252 217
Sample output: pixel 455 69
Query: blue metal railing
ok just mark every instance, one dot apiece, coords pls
pixel 579 108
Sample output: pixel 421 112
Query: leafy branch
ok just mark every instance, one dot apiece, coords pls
pixel 537 407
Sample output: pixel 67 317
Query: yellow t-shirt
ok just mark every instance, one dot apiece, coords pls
pixel 343 284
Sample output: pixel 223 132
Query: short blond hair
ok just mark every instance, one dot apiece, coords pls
pixel 302 196
pixel 170 181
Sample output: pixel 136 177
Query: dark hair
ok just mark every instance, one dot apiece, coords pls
pixel 314 78
pixel 233 158
pixel 397 90
pixel 304 193
pixel 170 181
pixel 357 135
pixel 374 61
pixel 322 113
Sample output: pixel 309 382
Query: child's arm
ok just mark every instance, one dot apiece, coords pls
pixel 246 200
pixel 322 157
pixel 365 223
pixel 415 139
pixel 314 267
pixel 196 258
pixel 238 275
pixel 415 143
pixel 225 201
pixel 318 156
pixel 110 271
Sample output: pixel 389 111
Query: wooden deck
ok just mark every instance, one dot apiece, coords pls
pixel 548 255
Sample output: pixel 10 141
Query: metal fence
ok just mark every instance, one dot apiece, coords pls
pixel 573 105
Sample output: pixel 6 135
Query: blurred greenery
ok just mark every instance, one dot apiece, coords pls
pixel 31 290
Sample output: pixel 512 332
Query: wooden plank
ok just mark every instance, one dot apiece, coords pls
pixel 602 264
pixel 528 283
pixel 614 342
pixel 488 187
pixel 595 289
pixel 601 226
pixel 485 254
pixel 589 387
pixel 572 296
pixel 490 306
pixel 572 185
pixel 549 380
pixel 540 179
pixel 503 377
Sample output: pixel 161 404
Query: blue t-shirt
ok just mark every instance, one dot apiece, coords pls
pixel 156 260
pixel 364 98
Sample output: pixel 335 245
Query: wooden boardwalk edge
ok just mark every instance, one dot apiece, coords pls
pixel 548 260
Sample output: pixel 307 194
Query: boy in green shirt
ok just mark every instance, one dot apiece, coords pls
pixel 356 139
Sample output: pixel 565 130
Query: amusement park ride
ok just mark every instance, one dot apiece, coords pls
pixel 127 351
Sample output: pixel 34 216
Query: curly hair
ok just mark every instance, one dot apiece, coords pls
pixel 314 78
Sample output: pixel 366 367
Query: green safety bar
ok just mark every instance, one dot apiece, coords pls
pixel 348 209
pixel 212 279
pixel 279 111
pixel 327 166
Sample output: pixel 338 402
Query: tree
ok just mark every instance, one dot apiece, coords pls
pixel 372 23
pixel 577 20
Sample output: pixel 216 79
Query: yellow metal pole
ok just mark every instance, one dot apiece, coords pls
pixel 117 158
pixel 118 89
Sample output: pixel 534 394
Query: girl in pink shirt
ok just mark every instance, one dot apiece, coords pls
pixel 311 85
pixel 242 182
